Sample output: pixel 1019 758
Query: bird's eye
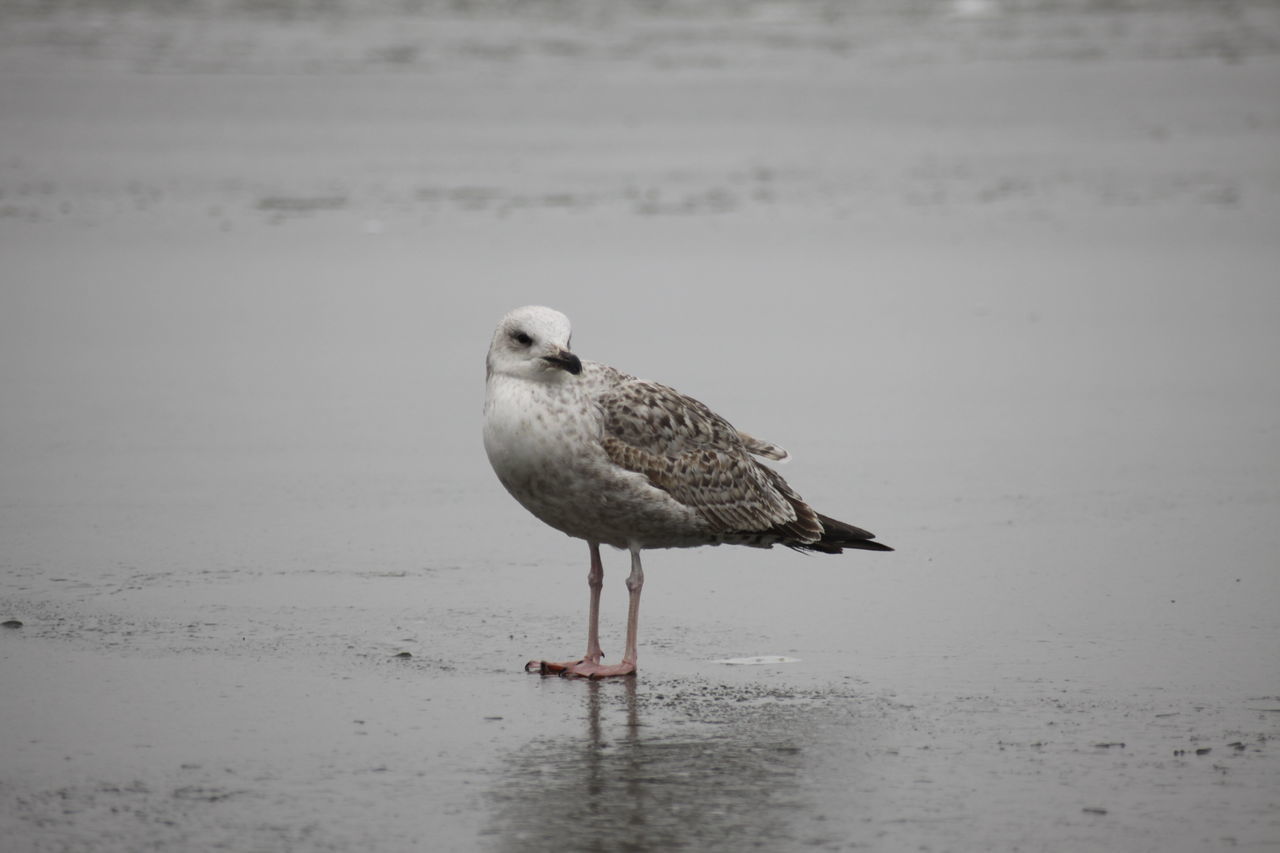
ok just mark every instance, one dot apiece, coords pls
pixel 522 339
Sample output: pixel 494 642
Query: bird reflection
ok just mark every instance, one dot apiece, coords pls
pixel 678 781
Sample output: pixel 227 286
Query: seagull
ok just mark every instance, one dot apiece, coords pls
pixel 603 456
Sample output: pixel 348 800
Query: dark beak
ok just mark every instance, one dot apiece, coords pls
pixel 564 360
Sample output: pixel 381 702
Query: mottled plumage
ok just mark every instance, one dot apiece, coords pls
pixel 613 459
pixel 702 462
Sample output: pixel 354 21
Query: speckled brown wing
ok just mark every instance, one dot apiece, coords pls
pixel 699 459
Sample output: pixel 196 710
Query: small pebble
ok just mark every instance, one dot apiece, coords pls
pixel 11 623
pixel 405 655
pixel 1093 810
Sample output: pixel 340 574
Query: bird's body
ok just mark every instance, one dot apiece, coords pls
pixel 544 440
pixel 615 460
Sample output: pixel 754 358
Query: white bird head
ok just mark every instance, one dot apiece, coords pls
pixel 532 343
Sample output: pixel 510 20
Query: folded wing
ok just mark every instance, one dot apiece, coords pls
pixel 700 460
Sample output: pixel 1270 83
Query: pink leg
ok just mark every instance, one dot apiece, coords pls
pixel 590 666
pixel 635 583
pixel 595 582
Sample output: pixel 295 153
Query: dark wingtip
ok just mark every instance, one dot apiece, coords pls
pixel 837 535
pixel 869 546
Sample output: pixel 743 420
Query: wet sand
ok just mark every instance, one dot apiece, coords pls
pixel 1003 284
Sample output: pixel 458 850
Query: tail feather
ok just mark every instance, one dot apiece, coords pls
pixel 836 536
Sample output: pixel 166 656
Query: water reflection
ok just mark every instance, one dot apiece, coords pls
pixel 652 772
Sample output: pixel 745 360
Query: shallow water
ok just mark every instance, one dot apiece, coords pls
pixel 273 598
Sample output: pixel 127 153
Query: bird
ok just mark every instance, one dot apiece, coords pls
pixel 614 460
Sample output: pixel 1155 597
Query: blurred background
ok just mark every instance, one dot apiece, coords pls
pixel 967 248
